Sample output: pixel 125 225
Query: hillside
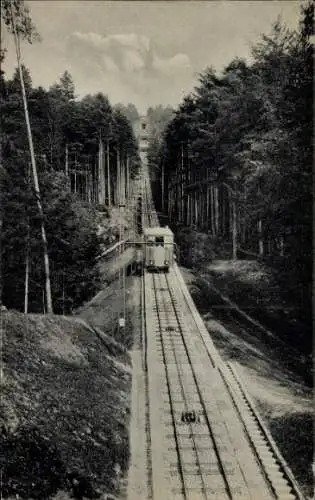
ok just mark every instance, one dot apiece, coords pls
pixel 64 408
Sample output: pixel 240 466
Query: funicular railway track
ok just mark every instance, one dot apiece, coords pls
pixel 199 466
pixel 206 438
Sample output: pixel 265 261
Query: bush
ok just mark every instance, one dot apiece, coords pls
pixel 194 248
pixel 31 465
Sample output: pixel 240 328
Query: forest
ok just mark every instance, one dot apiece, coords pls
pixel 68 134
pixel 235 159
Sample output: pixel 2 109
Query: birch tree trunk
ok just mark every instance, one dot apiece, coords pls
pixel 34 169
pixel 27 257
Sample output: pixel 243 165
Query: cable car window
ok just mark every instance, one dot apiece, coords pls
pixel 150 243
pixel 159 241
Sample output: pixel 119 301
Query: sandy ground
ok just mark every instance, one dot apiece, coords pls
pixel 137 478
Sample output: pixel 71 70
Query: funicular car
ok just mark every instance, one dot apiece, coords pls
pixel 158 248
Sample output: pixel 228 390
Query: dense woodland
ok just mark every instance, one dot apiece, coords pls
pixel 235 161
pixel 68 134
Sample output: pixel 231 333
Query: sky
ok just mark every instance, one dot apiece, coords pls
pixel 143 52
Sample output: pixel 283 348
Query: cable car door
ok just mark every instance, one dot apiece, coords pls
pixel 159 251
pixel 150 252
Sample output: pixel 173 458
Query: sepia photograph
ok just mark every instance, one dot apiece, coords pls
pixel 156 250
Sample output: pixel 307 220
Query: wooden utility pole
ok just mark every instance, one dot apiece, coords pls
pixel 122 204
pixel 34 169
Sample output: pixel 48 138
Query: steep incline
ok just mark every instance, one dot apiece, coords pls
pixel 64 408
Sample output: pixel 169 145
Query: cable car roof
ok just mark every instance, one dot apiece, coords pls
pixel 157 231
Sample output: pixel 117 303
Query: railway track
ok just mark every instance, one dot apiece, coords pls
pixel 205 437
pixel 217 446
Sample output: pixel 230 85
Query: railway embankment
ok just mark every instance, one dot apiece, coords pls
pixel 66 395
pixel 64 408
pixel 276 371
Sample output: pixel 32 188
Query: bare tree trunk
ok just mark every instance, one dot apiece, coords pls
pixel 122 184
pixel 108 176
pixel 128 178
pixel 233 224
pixel 196 208
pixel 182 183
pixel 27 257
pixel 223 214
pixel 95 181
pixel 67 162
pixel 201 207
pixel 33 160
pixel 43 297
pixel 163 186
pixel 101 174
pixel 216 209
pixel 1 222
pixel 211 209
pixel 75 172
pixel 27 261
pixel 207 206
pixel 260 239
pixel 63 292
pixel 89 182
pixel 118 179
pixel 281 246
pixel 234 230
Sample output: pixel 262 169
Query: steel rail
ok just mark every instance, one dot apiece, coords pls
pixel 195 447
pixel 177 446
pixel 247 407
pixel 216 448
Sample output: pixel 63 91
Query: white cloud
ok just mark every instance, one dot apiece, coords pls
pixel 178 64
pixel 127 67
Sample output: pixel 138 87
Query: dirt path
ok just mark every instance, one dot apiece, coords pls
pixel 137 478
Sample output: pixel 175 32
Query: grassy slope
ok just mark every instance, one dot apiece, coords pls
pixel 64 408
pixel 65 393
